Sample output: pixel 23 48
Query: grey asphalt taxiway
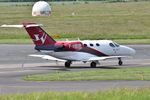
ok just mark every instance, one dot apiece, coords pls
pixel 15 63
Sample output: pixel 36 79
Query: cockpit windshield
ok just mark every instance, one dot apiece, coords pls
pixel 116 44
pixel 111 44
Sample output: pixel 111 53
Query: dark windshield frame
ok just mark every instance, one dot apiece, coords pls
pixel 112 45
pixel 116 44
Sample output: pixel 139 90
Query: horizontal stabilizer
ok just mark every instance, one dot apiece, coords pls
pixel 20 26
pixel 16 26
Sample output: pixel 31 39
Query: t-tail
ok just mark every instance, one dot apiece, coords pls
pixel 38 35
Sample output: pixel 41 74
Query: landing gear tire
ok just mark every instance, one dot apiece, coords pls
pixel 120 62
pixel 93 64
pixel 67 64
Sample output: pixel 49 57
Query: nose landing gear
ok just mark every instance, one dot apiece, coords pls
pixel 120 62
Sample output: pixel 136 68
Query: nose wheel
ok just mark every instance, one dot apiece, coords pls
pixel 67 64
pixel 93 64
pixel 120 62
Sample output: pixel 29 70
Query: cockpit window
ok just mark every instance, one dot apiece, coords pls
pixel 116 44
pixel 111 44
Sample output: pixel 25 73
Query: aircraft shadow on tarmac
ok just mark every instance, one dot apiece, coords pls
pixel 88 67
pixel 62 68
pixel 78 67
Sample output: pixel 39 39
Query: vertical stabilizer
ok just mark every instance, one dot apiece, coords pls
pixel 38 35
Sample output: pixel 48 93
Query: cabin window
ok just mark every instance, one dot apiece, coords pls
pixel 85 45
pixel 111 44
pixel 97 44
pixel 91 44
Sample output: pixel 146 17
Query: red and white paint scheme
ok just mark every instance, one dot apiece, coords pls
pixel 69 51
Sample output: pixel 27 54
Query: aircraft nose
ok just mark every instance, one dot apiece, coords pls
pixel 132 51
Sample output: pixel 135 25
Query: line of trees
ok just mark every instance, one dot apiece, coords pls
pixel 35 0
pixel 45 0
pixel 65 0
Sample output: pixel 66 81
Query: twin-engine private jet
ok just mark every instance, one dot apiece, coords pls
pixel 91 51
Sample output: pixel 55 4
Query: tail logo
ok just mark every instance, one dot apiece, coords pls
pixel 38 38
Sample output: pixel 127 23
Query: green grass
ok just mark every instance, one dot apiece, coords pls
pixel 29 41
pixel 133 41
pixel 91 21
pixel 99 74
pixel 115 94
pixel 15 41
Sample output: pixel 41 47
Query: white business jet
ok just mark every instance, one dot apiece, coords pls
pixel 91 51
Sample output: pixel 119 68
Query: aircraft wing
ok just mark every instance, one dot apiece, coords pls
pixel 47 57
pixel 105 58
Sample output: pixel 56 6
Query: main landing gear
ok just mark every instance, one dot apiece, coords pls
pixel 67 64
pixel 93 64
pixel 120 62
